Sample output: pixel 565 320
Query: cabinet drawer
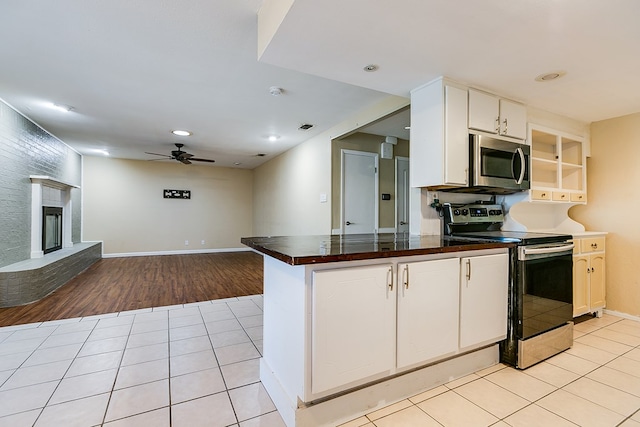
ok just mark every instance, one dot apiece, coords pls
pixel 540 195
pixel 592 244
pixel 561 196
pixel 578 197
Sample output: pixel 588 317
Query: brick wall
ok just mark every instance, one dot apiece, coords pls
pixel 26 149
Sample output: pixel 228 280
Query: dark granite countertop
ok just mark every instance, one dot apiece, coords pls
pixel 301 250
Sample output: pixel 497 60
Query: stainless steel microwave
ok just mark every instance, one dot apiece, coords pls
pixel 498 166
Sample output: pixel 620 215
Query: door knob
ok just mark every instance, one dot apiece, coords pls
pixel 348 223
pixel 403 223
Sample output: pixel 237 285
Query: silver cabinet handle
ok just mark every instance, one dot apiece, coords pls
pixel 390 278
pixel 405 276
pixel 498 124
pixel 505 127
pixel 468 271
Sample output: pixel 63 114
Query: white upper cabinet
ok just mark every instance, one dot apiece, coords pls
pixel 439 146
pixel 558 166
pixel 492 114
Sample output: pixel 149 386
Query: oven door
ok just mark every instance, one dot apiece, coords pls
pixel 499 163
pixel 544 282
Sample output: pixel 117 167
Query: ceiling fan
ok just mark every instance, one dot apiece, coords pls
pixel 181 156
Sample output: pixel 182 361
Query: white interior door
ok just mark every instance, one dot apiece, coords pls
pixel 402 194
pixel 359 192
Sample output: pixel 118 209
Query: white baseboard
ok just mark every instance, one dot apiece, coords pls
pixel 380 230
pixel 623 315
pixel 386 230
pixel 181 252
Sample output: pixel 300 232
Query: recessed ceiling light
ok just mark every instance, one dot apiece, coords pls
pixel 371 68
pixel 237 163
pixel 276 91
pixel 546 77
pixel 60 107
pixel 273 138
pixel 181 132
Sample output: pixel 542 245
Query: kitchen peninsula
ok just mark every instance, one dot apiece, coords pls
pixel 355 322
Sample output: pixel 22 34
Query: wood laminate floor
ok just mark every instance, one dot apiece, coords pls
pixel 120 284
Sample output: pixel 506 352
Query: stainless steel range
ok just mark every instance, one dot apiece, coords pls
pixel 540 321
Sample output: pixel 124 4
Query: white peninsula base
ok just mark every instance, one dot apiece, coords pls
pixel 331 356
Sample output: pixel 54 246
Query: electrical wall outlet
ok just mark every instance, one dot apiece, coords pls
pixel 202 242
pixel 186 243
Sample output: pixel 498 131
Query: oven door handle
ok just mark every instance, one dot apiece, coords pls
pixel 546 250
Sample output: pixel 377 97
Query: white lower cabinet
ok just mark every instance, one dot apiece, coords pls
pixel 428 294
pixel 369 322
pixel 484 286
pixel 353 326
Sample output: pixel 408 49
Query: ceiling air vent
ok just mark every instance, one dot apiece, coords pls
pixel 305 126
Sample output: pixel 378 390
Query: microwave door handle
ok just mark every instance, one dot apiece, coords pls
pixel 520 153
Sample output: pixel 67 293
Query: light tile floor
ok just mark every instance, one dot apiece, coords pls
pixel 187 365
pixel 595 383
pixel 197 365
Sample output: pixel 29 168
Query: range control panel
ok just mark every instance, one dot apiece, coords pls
pixel 473 213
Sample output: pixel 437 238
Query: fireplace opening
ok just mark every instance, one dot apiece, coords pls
pixel 51 229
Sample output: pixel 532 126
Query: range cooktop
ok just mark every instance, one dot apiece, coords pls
pixel 483 221
pixel 520 237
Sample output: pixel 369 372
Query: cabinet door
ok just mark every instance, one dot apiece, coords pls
pixel 484 110
pixel 597 282
pixel 427 311
pixel 352 326
pixel 580 285
pixel 513 119
pixel 484 286
pixel 456 154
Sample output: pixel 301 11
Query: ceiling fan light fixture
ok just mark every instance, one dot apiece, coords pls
pixel 179 132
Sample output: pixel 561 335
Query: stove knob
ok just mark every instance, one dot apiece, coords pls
pixel 465 212
pixel 456 212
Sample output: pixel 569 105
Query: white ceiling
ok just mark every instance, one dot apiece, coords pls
pixel 498 45
pixel 134 70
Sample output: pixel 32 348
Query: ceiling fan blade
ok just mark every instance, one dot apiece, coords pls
pixel 185 161
pixel 156 154
pixel 202 160
pixel 184 155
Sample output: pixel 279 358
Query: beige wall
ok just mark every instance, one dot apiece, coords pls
pixel 386 178
pixel 613 192
pixel 123 206
pixel 287 189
